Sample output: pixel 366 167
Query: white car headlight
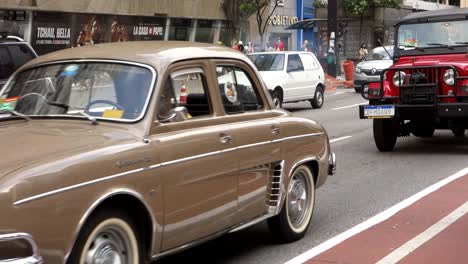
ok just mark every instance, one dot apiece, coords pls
pixel 357 69
pixel 398 78
pixel 449 77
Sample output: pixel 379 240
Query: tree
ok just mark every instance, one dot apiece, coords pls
pixel 358 7
pixel 260 7
pixel 236 14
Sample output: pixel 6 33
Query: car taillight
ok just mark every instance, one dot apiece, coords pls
pixel 374 90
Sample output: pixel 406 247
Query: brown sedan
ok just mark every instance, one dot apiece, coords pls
pixel 126 152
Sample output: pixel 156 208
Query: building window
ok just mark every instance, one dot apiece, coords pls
pixel 226 34
pixel 205 31
pixel 180 29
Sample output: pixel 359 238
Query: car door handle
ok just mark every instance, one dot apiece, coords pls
pixel 275 130
pixel 225 139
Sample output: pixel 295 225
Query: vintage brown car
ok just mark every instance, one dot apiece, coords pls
pixel 126 152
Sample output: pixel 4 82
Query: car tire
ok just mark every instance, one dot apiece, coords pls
pixel 385 134
pixel 277 99
pixel 423 131
pixel 458 131
pixel 357 90
pixel 317 102
pixel 293 221
pixel 108 233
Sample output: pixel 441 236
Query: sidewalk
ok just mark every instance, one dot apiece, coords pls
pixel 431 230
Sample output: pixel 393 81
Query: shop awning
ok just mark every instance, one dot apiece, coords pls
pixel 306 24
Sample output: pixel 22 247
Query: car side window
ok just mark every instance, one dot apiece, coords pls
pixel 295 63
pixel 237 91
pixel 6 65
pixel 21 53
pixel 184 88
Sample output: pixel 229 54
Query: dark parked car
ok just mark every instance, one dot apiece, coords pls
pixel 14 52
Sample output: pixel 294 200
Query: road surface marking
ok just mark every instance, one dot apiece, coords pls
pixel 374 220
pixel 336 93
pixel 422 238
pixel 349 106
pixel 340 138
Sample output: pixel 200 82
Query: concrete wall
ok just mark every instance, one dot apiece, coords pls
pixel 208 9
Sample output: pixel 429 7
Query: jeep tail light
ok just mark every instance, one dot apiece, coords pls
pixel 374 90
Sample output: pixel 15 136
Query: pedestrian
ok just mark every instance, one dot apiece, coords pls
pixel 240 46
pixel 279 45
pixel 305 45
pixel 362 51
pixel 250 47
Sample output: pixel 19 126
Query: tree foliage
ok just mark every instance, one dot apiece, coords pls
pixel 358 7
pixel 236 13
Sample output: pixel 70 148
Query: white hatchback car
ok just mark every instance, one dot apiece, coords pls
pixel 291 76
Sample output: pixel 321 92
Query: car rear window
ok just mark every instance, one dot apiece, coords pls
pixel 21 54
pixel 6 65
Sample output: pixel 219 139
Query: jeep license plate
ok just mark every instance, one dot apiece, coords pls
pixel 379 111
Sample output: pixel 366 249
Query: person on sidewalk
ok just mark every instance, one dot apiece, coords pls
pixel 279 45
pixel 362 52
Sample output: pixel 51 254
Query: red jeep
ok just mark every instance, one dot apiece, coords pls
pixel 427 86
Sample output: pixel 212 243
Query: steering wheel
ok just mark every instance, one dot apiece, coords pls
pixel 102 102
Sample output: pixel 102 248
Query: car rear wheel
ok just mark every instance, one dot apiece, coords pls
pixel 108 237
pixel 385 134
pixel 317 102
pixel 277 100
pixel 292 222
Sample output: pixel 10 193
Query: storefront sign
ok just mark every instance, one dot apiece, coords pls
pixel 54 31
pixel 277 20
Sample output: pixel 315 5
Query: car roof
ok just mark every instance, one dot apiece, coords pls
pixel 158 54
pixel 382 48
pixel 280 52
pixel 442 14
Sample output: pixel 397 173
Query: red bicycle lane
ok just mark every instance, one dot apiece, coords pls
pixel 431 230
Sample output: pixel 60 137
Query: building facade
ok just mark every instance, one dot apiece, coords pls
pixel 54 25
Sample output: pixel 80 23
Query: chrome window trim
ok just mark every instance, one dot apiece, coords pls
pixel 100 200
pixel 146 66
pixel 155 166
pixel 35 258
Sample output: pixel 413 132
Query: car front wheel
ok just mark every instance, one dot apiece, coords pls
pixel 277 100
pixel 385 134
pixel 317 102
pixel 292 222
pixel 108 237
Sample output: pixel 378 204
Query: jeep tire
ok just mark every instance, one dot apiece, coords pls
pixel 385 134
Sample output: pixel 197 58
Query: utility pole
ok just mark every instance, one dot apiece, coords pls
pixel 332 56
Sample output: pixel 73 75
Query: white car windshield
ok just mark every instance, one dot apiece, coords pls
pixel 268 62
pixel 102 90
pixel 433 35
pixel 379 54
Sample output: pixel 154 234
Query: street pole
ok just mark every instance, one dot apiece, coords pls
pixel 332 56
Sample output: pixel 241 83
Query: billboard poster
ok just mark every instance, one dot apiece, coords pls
pixel 53 31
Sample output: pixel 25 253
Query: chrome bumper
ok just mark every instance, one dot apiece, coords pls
pixel 332 164
pixel 35 258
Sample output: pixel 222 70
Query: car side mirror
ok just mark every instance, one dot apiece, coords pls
pixel 365 91
pixel 177 114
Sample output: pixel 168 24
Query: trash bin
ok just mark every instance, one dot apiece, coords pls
pixel 348 67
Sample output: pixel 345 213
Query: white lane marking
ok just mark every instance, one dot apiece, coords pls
pixel 340 138
pixel 422 238
pixel 349 106
pixel 335 93
pixel 374 220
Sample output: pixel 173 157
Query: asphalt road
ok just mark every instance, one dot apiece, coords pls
pixel 367 182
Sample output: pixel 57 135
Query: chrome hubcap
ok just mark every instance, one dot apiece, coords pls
pixel 110 246
pixel 319 98
pixel 298 199
pixel 276 102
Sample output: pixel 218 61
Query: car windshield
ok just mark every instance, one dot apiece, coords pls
pixel 379 54
pixel 268 62
pixel 102 90
pixel 433 35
